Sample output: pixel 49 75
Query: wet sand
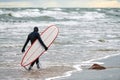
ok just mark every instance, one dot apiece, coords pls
pixel 52 71
pixel 16 72
pixel 112 71
pixel 35 74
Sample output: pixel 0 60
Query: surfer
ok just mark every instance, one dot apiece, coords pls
pixel 32 37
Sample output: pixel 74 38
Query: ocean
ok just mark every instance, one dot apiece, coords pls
pixel 85 35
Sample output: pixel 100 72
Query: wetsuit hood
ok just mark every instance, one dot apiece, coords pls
pixel 36 29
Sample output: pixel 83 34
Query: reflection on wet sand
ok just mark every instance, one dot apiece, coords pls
pixel 34 74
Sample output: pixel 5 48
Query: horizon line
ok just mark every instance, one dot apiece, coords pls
pixel 59 7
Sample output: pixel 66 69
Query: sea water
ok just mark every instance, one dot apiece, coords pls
pixel 85 34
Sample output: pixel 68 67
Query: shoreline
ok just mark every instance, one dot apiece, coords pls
pixel 42 74
pixel 63 72
pixel 47 73
pixel 112 71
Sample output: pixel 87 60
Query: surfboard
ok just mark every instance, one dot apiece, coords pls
pixel 36 49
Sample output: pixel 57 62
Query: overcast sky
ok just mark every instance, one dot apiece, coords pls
pixel 60 3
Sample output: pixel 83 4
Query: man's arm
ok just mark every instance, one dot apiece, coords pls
pixel 42 43
pixel 23 49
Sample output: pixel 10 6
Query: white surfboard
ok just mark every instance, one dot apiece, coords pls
pixel 36 49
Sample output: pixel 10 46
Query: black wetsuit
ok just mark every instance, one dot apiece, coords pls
pixel 32 37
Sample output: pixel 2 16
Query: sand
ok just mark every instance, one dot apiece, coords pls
pixel 35 74
pixel 112 71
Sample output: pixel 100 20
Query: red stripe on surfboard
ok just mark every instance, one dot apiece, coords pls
pixel 41 46
pixel 43 51
pixel 34 42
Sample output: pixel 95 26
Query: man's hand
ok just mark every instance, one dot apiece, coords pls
pixel 46 48
pixel 23 50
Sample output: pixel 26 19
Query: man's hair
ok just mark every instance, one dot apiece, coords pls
pixel 36 28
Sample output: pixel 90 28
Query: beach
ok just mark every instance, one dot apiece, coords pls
pixel 112 71
pixel 86 36
pixel 42 74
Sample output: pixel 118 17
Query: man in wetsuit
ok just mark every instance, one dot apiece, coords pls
pixel 32 37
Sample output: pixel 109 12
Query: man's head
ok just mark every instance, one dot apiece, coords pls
pixel 36 29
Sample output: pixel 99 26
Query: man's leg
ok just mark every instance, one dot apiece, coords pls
pixel 37 63
pixel 31 65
